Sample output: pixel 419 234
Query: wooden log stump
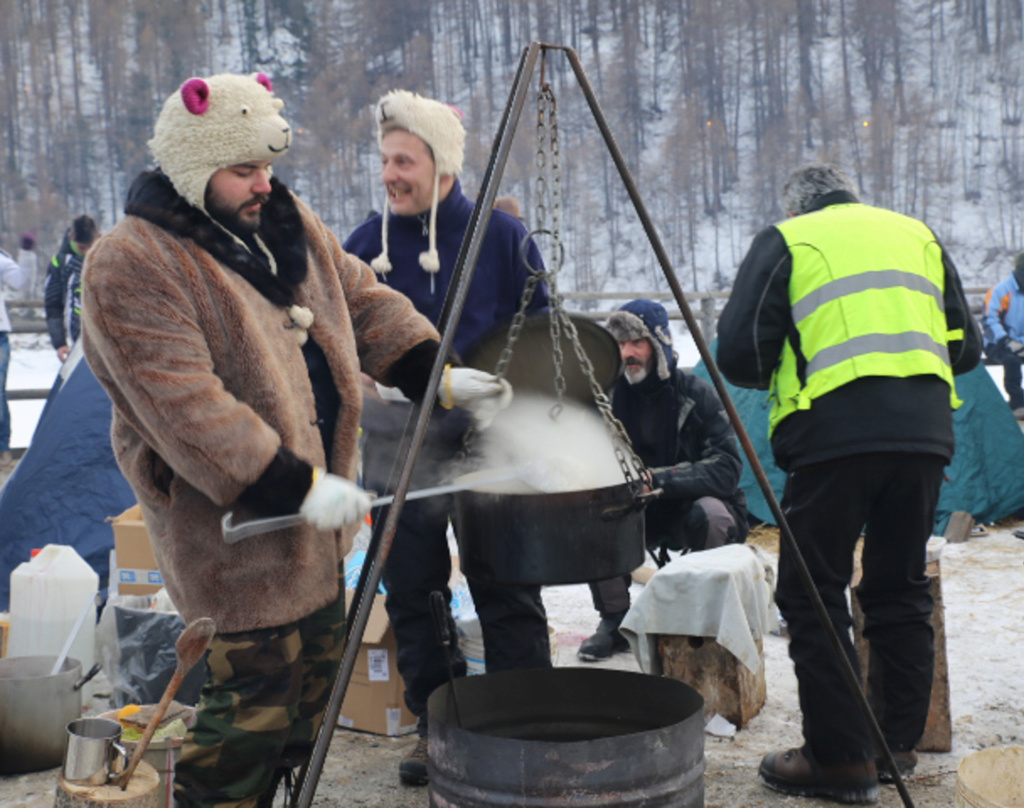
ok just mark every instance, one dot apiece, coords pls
pixel 143 792
pixel 728 688
pixel 958 528
pixel 938 730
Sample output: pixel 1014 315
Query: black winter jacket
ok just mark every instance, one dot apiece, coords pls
pixel 871 414
pixel 696 456
pixel 63 280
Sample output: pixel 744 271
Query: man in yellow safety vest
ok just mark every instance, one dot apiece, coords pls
pixel 854 318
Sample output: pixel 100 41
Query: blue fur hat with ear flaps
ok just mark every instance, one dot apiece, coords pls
pixel 645 319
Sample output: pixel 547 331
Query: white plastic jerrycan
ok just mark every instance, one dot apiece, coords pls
pixel 48 593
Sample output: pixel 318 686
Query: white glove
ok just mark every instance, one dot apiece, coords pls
pixel 390 393
pixel 1015 347
pixel 333 501
pixel 481 393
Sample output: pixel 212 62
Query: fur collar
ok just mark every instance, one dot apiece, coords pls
pixel 153 198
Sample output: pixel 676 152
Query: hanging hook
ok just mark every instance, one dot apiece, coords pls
pixel 530 267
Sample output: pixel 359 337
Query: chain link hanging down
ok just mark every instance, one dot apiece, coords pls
pixel 550 179
pixel 548 200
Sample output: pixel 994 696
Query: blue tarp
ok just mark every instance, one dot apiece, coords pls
pixel 986 477
pixel 67 485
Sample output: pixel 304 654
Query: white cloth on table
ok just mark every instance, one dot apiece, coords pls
pixel 721 593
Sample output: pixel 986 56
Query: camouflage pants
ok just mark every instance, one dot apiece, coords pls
pixel 266 693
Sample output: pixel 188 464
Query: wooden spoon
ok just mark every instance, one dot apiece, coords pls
pixel 191 645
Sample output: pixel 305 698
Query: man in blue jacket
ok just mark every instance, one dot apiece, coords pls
pixel 1003 330
pixel 679 428
pixel 413 247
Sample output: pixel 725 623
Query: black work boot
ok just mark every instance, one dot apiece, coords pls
pixel 606 641
pixel 796 772
pixel 413 769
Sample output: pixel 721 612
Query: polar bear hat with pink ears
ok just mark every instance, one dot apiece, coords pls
pixel 211 123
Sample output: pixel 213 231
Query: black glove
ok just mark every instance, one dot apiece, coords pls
pixel 1013 346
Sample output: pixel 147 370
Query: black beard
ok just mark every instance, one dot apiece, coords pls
pixel 152 197
pixel 230 219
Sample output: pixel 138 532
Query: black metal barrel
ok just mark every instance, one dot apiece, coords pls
pixel 567 737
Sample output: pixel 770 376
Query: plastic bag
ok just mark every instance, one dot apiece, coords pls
pixel 136 646
pixel 467 624
pixel 354 566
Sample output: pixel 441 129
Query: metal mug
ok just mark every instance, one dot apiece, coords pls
pixel 92 754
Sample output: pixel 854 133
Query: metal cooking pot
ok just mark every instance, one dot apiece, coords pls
pixel 35 709
pixel 532 366
pixel 562 538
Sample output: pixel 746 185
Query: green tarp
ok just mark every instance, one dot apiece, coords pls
pixel 986 477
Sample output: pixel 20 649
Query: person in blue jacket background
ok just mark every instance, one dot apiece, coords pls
pixel 1003 331
pixel 413 246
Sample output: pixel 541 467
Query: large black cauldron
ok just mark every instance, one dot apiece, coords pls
pixel 567 737
pixel 563 538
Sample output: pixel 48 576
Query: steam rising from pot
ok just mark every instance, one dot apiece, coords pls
pixel 572 453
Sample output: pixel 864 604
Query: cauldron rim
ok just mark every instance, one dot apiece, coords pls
pixel 663 766
pixel 595 492
pixel 672 701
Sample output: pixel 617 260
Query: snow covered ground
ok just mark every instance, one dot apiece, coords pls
pixel 984 597
pixel 34 366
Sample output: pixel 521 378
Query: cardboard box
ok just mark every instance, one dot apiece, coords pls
pixel 374 701
pixel 137 573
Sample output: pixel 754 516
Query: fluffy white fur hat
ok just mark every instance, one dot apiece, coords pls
pixel 212 123
pixel 440 127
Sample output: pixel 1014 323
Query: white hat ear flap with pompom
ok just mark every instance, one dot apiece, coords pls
pixel 382 264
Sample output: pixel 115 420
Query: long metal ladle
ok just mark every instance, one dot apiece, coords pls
pixel 234 533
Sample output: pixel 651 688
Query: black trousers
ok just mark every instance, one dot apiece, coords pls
pixel 891 497
pixel 1011 373
pixel 512 618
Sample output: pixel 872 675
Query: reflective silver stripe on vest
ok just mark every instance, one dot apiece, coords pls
pixel 876 343
pixel 862 282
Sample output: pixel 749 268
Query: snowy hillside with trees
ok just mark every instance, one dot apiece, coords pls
pixel 711 101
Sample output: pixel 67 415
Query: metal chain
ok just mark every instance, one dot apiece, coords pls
pixel 555 148
pixel 540 206
pixel 547 117
pixel 548 197
pixel 560 320
pixel 620 439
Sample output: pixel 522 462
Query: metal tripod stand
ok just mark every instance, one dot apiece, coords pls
pixel 384 533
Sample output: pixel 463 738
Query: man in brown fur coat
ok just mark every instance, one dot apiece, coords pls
pixel 230 330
